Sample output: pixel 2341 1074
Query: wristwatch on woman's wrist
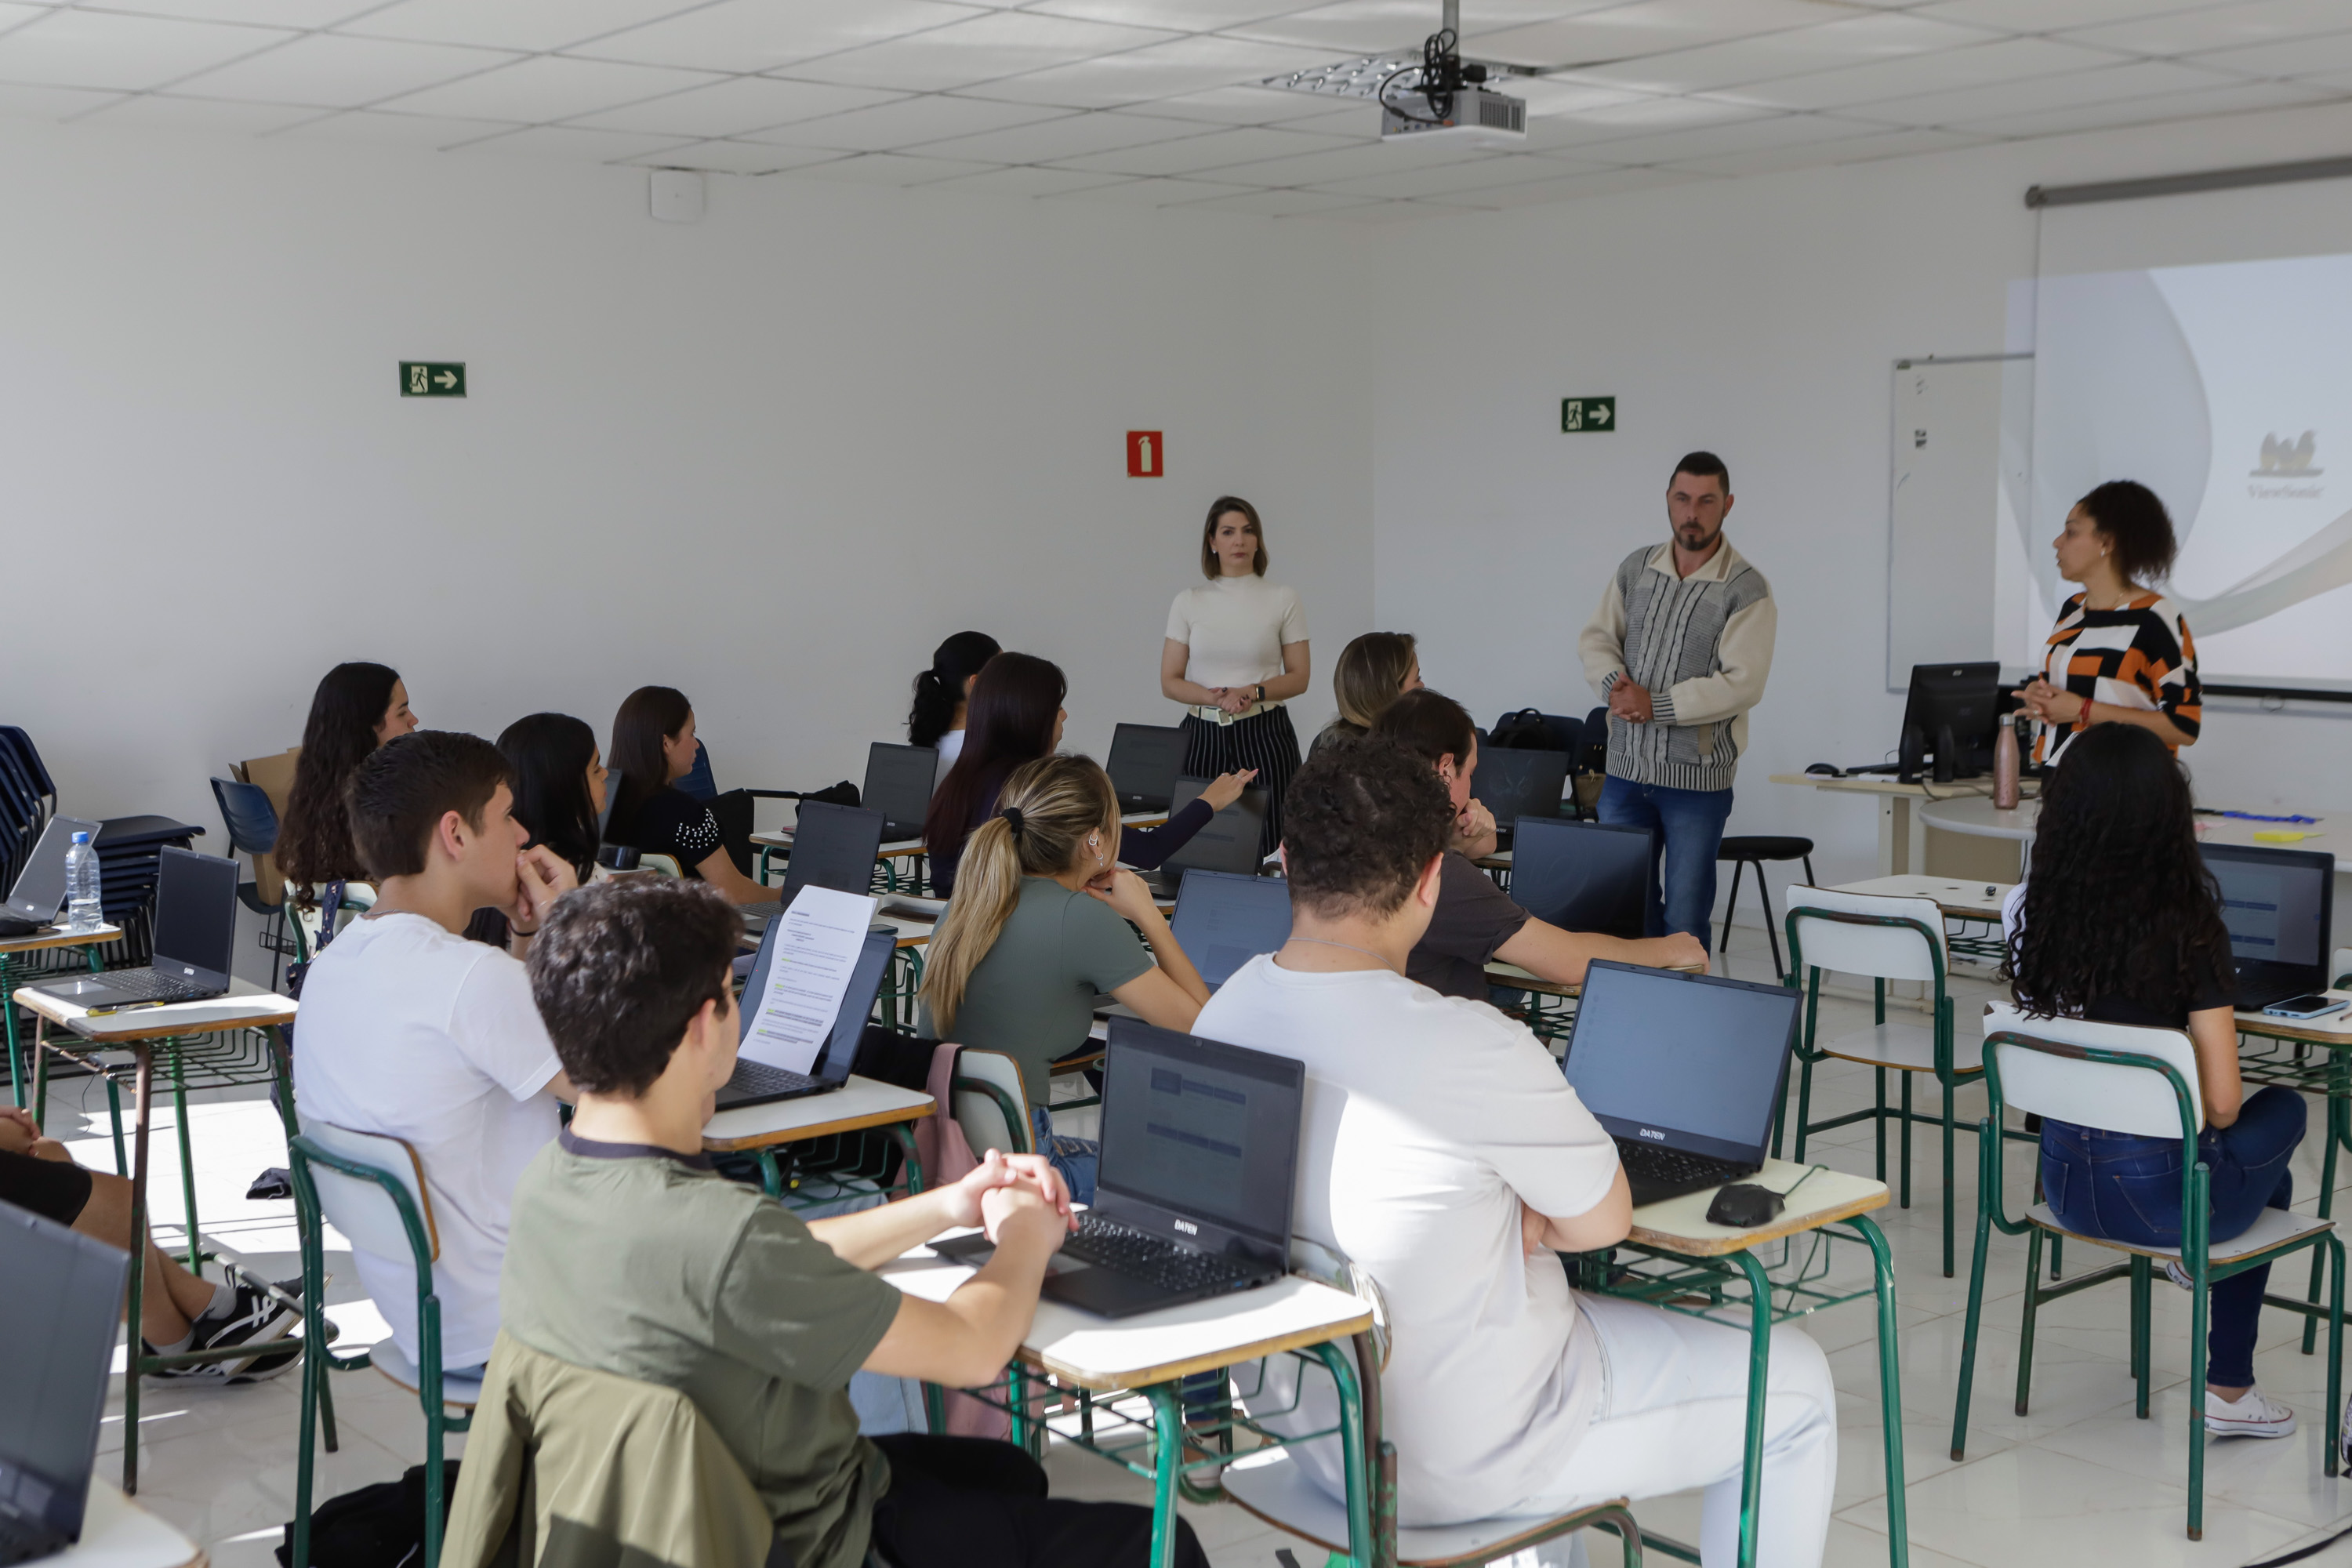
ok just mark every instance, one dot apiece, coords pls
pixel 1260 689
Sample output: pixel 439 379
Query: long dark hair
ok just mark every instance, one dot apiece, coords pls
pixel 550 753
pixel 1008 721
pixel 2119 903
pixel 648 716
pixel 939 689
pixel 314 842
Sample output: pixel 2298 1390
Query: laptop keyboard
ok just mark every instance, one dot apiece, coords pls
pixel 1673 1168
pixel 772 910
pixel 751 1078
pixel 1124 1250
pixel 147 985
pixel 21 1538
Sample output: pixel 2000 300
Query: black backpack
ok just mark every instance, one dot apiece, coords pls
pixel 1523 730
pixel 382 1526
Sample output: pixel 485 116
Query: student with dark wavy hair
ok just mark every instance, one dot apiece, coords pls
pixel 1015 717
pixel 937 718
pixel 357 708
pixel 2119 921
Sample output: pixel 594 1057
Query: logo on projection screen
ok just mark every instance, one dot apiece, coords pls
pixel 2288 459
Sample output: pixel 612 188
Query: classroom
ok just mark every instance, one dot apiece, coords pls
pixel 1403 783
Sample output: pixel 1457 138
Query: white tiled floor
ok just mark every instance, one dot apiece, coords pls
pixel 2077 1480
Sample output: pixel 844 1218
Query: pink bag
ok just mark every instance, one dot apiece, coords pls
pixel 947 1157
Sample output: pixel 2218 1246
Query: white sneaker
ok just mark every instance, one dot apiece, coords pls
pixel 2255 1414
pixel 2178 1275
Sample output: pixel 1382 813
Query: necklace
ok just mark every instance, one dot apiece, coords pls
pixel 1352 947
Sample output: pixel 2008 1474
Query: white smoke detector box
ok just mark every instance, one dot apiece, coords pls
pixel 676 195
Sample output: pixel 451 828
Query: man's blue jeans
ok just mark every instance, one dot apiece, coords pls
pixel 1685 829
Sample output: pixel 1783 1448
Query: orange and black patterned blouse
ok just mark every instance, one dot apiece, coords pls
pixel 2139 656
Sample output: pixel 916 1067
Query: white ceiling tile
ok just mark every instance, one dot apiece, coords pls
pixel 1855 41
pixel 52 102
pixel 1178 67
pixel 98 49
pixel 1646 28
pixel 2242 99
pixel 1193 15
pixel 908 122
pixel 1024 182
pixel 893 169
pixel 998 44
pixel 337 72
pixel 1637 117
pixel 1569 94
pixel 734 105
pixel 1850 150
pixel 301 15
pixel 1073 136
pixel 1713 140
pixel 2046 16
pixel 1461 179
pixel 1381 26
pixel 2302 58
pixel 549 87
pixel 563 142
pixel 1246 105
pixel 1153 193
pixel 2141 79
pixel 1346 164
pixel 1213 151
pixel 396 130
pixel 2220 26
pixel 2012 60
pixel 761 35
pixel 1541 193
pixel 1275 204
pixel 156 112
pixel 736 157
pixel 532 26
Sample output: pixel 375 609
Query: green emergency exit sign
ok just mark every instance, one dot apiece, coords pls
pixel 1581 413
pixel 425 378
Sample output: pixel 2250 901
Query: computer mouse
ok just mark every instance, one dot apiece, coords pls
pixel 1743 1206
pixel 1827 770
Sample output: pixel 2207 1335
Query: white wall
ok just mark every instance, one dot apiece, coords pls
pixel 1758 318
pixel 771 459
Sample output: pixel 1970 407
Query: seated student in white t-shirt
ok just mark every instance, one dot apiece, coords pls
pixel 1444 1152
pixel 409 1029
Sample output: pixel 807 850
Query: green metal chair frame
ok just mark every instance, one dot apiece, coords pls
pixel 316 1400
pixel 2195 1212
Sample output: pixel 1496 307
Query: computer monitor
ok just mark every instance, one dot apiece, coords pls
pixel 2279 907
pixel 1224 919
pixel 1145 759
pixel 833 847
pixel 1513 784
pixel 899 782
pixel 1951 715
pixel 1584 876
pixel 1694 1062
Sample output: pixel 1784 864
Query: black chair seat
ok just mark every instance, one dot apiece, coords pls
pixel 1764 846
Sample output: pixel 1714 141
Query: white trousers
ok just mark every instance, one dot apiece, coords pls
pixel 1673 1415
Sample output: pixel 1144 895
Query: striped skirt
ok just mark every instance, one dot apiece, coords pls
pixel 1262 741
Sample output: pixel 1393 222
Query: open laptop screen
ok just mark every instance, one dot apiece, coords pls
pixel 1145 759
pixel 1201 1128
pixel 1688 1061
pixel 848 1024
pixel 898 780
pixel 1225 920
pixel 40 890
pixel 1582 876
pixel 1515 784
pixel 833 847
pixel 1229 841
pixel 196 913
pixel 2275 904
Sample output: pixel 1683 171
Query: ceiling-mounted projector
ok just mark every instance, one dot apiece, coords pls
pixel 1434 96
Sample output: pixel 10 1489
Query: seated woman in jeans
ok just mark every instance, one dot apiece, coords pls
pixel 2121 923
pixel 1038 929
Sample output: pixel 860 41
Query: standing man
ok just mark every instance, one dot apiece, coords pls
pixel 1679 651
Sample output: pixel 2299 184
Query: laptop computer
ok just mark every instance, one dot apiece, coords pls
pixel 1513 784
pixel 1145 759
pixel 1582 876
pixel 60 1313
pixel 2279 907
pixel 1683 1070
pixel 759 1077
pixel 1229 842
pixel 1224 919
pixel 833 847
pixel 195 934
pixel 899 782
pixel 1199 1149
pixel 40 890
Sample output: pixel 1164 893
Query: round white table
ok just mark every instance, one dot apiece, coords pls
pixel 1976 816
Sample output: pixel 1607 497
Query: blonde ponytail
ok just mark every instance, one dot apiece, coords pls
pixel 1043 814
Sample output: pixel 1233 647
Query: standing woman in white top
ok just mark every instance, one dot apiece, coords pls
pixel 1236 652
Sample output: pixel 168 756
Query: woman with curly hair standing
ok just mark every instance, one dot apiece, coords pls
pixel 2120 922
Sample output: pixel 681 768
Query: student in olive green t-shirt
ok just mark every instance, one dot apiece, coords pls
pixel 630 1254
pixel 1038 930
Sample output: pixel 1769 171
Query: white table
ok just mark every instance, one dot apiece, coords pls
pixel 858 1104
pixel 118 1533
pixel 42 941
pixel 1961 900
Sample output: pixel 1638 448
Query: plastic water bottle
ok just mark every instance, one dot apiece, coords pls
pixel 82 910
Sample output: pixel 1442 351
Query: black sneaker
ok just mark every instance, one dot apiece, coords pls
pixel 252 1316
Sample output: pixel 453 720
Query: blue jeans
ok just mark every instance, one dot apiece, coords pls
pixel 1685 829
pixel 2127 1187
pixel 1076 1158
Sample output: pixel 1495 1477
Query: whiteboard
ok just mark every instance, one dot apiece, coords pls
pixel 1948 511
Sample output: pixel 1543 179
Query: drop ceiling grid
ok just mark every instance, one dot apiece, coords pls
pixel 1156 100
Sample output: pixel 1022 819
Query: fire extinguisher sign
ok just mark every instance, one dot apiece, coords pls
pixel 1146 455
